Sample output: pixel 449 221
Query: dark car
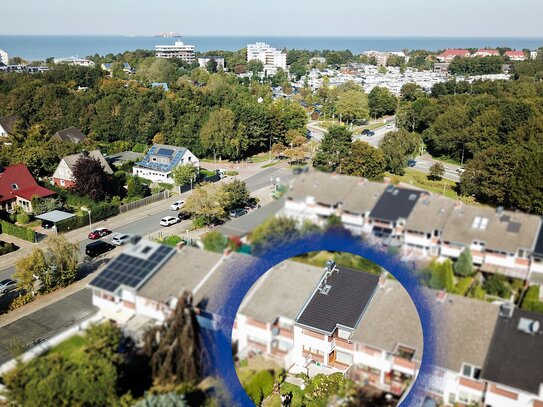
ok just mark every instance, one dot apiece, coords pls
pixel 47 224
pixel 183 215
pixel 95 249
pixel 98 233
pixel 411 163
pixel 236 213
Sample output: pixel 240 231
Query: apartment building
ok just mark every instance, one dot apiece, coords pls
pixel 179 50
pixel 271 58
pixel 76 61
pixel 161 160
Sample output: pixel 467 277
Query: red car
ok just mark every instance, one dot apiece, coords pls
pixel 98 233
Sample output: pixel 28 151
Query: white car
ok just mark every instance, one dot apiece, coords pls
pixel 460 170
pixel 118 239
pixel 389 126
pixel 168 221
pixel 177 205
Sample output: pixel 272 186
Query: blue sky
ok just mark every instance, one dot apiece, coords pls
pixel 481 18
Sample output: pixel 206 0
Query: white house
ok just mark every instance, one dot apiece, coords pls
pixel 271 58
pixel 4 57
pixel 178 50
pixel 202 62
pixel 161 160
pixel 74 61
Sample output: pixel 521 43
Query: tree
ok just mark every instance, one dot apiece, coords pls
pixel 212 65
pixel 436 171
pixel 218 131
pixel 273 232
pixel 353 106
pixel 334 146
pixel 442 276
pixel 184 174
pixel 397 146
pixel 464 264
pixel 206 203
pixel 30 266
pixel 135 188
pixel 381 102
pixel 363 160
pixel 497 285
pixel 255 66
pixel 62 258
pixel 334 59
pixel 235 195
pixel 215 241
pixel 175 348
pixel 91 180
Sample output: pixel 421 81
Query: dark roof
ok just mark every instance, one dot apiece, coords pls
pixel 349 293
pixel 70 134
pixel 395 203
pixel 514 358
pixel 538 249
pixel 8 123
pixel 133 267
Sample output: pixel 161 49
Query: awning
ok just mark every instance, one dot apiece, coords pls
pixel 55 216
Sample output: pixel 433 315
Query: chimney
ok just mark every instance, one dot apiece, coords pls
pixel 330 264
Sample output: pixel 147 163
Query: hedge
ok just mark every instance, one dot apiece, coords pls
pixel 531 300
pixel 18 231
pixel 98 212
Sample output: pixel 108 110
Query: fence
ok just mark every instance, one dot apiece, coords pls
pixel 144 201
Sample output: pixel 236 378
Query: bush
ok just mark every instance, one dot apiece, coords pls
pixel 531 300
pixel 18 231
pixel 464 265
pixel 165 186
pixel 199 222
pixel 442 276
pixel 497 285
pixel 139 148
pixel 215 242
pixel 463 286
pixel 23 218
pixel 172 240
pixel 232 173
pixel 6 248
pixel 259 386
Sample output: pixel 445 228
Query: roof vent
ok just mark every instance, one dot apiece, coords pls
pixel 528 326
pixel 330 265
pixel 326 289
pixel 506 310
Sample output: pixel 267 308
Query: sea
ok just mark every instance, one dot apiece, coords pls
pixel 41 47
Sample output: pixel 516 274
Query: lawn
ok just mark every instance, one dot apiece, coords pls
pixel 68 347
pixel 420 180
pixel 348 260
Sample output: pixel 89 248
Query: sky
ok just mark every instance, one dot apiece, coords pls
pixel 441 18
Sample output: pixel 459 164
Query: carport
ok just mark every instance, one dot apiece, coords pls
pixel 55 217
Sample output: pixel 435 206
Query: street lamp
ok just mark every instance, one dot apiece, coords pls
pixel 83 208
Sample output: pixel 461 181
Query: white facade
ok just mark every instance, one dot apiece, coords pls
pixel 205 60
pixel 4 57
pixel 178 50
pixel 271 58
pixel 156 175
pixel 74 61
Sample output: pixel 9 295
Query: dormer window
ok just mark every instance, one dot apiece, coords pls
pixel 14 186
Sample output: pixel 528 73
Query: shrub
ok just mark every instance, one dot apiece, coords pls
pixel 215 242
pixel 23 218
pixel 464 265
pixel 18 231
pixel 139 148
pixel 6 248
pixel 259 386
pixel 165 186
pixel 497 285
pixel 232 173
pixel 199 222
pixel 172 240
pixel 442 276
pixel 531 300
pixel 463 286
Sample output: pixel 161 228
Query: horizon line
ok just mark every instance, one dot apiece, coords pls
pixel 130 35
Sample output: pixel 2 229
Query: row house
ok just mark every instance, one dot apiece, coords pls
pixel 449 54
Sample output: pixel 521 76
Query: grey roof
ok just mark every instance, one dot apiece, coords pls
pixel 363 196
pixel 539 242
pixel 328 189
pixel 429 213
pixel 505 231
pixel 96 154
pixel 181 273
pixel 467 324
pixel 121 158
pixel 391 319
pixel 515 358
pixel 350 292
pixel 395 203
pixel 55 216
pixel 70 134
pixel 8 123
pixel 284 301
pixel 246 223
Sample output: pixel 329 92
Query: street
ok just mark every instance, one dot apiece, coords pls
pixel 150 224
pixel 424 162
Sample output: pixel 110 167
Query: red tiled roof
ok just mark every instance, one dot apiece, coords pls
pixel 514 53
pixel 488 51
pixel 456 52
pixel 16 180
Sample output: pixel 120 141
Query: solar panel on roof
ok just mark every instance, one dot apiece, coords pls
pixel 165 152
pixel 513 227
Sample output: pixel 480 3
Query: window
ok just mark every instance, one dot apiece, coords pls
pixel 521 253
pixel 62 182
pixel 452 398
pixel 470 371
pixel 405 352
pixel 14 186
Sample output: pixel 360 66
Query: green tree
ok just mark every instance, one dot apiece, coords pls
pixel 436 171
pixel 353 106
pixel 334 146
pixel 30 266
pixel 397 146
pixel 381 102
pixel 442 276
pixel 497 285
pixel 235 194
pixel 255 66
pixel 363 160
pixel 273 232
pixel 62 258
pixel 464 264
pixel 218 131
pixel 215 241
pixel 212 65
pixel 206 203
pixel 183 174
pixel 135 187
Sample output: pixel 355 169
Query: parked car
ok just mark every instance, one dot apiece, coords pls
pixel 7 285
pixel 98 233
pixel 365 132
pixel 47 224
pixel 97 248
pixel 168 221
pixel 389 126
pixel 177 205
pixel 118 239
pixel 183 215
pixel 460 170
pixel 297 170
pixel 411 163
pixel 236 213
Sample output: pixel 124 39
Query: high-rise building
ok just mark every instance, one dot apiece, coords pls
pixel 178 50
pixel 4 57
pixel 271 58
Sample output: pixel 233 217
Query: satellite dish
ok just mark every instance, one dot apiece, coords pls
pixel 534 327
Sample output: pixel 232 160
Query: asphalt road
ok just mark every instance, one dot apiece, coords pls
pixel 46 322
pixel 423 163
pixel 151 223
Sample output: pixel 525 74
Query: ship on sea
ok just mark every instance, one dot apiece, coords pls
pixel 169 35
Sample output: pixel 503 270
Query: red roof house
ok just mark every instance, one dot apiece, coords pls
pixel 515 55
pixel 486 53
pixel 17 187
pixel 449 54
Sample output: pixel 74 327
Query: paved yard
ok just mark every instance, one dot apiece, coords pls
pixel 46 322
